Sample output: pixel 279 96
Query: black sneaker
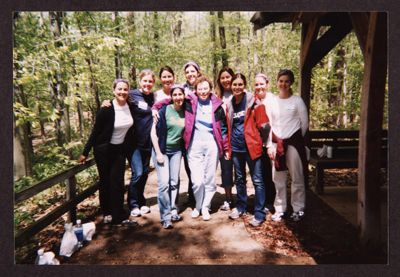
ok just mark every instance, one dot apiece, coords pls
pixel 129 223
pixel 297 216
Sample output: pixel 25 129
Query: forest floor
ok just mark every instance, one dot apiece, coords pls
pixel 323 237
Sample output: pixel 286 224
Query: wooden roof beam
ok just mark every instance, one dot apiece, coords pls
pixel 360 22
pixel 327 42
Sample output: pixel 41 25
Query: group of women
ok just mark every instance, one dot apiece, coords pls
pixel 229 125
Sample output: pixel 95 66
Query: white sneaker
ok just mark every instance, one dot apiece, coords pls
pixel 277 217
pixel 205 214
pixel 107 219
pixel 144 210
pixel 135 212
pixel 195 213
pixel 225 206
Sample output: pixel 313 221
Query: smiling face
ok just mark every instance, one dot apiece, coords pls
pixel 284 83
pixel 225 79
pixel 121 92
pixel 167 80
pixel 178 96
pixel 237 87
pixel 146 83
pixel 191 74
pixel 203 90
pixel 260 87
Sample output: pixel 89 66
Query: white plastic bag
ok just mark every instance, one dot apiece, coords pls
pixel 69 242
pixel 50 258
pixel 88 230
pixel 46 258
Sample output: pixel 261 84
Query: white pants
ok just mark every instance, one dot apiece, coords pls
pixel 298 196
pixel 203 161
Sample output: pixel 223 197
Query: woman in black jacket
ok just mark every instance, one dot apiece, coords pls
pixel 111 131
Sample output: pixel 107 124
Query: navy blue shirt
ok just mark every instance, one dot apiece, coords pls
pixel 143 119
pixel 239 112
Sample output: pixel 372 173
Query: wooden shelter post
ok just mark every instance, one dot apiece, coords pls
pixel 372 102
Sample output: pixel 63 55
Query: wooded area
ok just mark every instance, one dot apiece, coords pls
pixel 64 64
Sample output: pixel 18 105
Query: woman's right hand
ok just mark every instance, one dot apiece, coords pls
pixel 155 116
pixel 82 159
pixel 160 158
pixel 106 103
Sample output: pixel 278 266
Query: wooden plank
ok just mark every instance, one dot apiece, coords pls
pixel 372 100
pixel 53 180
pixel 43 222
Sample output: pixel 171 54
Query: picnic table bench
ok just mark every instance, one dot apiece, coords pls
pixel 345 152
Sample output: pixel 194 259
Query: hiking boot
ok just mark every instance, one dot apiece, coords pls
pixel 107 219
pixel 144 210
pixel 255 223
pixel 135 212
pixel 277 216
pixel 297 216
pixel 205 214
pixel 167 225
pixel 225 207
pixel 195 213
pixel 235 214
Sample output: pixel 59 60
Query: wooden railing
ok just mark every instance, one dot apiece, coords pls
pixel 72 200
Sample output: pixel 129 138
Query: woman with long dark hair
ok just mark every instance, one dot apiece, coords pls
pixel 224 92
pixel 249 131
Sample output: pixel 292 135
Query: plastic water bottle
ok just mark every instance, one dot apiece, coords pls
pixel 40 260
pixel 79 232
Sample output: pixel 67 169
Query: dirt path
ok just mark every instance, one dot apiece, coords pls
pixel 191 241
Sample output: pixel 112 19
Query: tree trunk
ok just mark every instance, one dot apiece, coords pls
pixel 132 68
pixel 214 43
pixel 238 42
pixel 222 39
pixel 19 157
pixel 117 56
pixel 22 136
pixel 93 83
pixel 336 95
pixel 59 86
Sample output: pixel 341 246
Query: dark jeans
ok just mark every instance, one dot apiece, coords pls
pixel 140 170
pixel 226 172
pixel 239 163
pixel 110 161
pixel 270 191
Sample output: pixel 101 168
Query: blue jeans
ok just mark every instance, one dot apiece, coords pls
pixel 168 183
pixel 140 169
pixel 256 172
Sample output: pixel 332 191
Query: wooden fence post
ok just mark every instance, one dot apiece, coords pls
pixel 71 194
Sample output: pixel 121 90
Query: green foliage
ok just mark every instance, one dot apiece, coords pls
pixel 83 59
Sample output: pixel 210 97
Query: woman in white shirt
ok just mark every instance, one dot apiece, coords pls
pixel 286 146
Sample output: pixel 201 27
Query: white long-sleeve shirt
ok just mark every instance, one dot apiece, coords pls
pixel 286 116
